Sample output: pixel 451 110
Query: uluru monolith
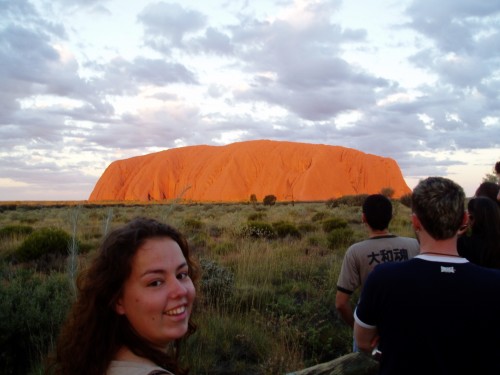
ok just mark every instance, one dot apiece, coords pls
pixel 232 173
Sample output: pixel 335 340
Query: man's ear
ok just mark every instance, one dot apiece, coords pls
pixel 363 217
pixel 415 222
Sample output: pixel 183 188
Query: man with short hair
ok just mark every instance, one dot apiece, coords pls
pixel 362 257
pixel 436 313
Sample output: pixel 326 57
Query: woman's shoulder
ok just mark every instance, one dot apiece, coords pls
pixel 135 368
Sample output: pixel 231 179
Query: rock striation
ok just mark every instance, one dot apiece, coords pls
pixel 232 173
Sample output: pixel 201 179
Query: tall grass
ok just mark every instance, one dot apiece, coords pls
pixel 271 306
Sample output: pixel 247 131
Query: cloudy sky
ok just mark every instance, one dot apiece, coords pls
pixel 84 83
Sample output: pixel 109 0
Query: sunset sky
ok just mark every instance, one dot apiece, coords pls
pixel 84 83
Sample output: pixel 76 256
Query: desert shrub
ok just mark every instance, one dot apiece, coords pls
pixel 217 283
pixel 340 237
pixel 307 227
pixel 192 225
pixel 318 216
pixel 253 199
pixel 269 200
pixel 256 216
pixel 215 231
pixel 229 345
pixel 333 223
pixel 223 248
pixel 347 200
pixel 284 229
pixel 43 242
pixel 258 229
pixel 387 192
pixel 406 200
pixel 11 231
pixel 32 308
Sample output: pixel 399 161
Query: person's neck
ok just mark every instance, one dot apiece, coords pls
pixel 430 246
pixel 378 233
pixel 125 354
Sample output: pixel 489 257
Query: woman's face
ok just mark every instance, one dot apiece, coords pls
pixel 158 295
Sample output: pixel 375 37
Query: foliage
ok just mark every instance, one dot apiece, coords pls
pixel 256 216
pixel 347 200
pixel 10 231
pixel 253 199
pixel 387 192
pixel 333 223
pixel 269 200
pixel 32 307
pixel 284 229
pixel 340 237
pixel 258 229
pixel 406 200
pixel 490 177
pixel 217 283
pixel 44 242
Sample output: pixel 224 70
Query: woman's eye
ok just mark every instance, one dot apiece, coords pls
pixel 182 275
pixel 155 283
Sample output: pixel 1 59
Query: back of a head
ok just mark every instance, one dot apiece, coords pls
pixel 488 189
pixel 497 167
pixel 439 204
pixel 377 209
pixel 485 215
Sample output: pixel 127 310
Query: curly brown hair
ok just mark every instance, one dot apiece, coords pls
pixel 93 331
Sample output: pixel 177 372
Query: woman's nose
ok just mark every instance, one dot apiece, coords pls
pixel 177 288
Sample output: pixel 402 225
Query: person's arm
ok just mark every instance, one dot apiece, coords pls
pixel 344 308
pixel 366 337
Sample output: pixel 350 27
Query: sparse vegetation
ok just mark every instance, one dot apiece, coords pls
pixel 266 297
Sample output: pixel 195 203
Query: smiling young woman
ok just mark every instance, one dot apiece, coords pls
pixel 133 306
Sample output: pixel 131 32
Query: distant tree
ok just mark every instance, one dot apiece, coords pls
pixel 269 200
pixel 253 199
pixel 387 192
pixel 490 177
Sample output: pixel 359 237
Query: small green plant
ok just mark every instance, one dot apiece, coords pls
pixel 285 229
pixel 217 283
pixel 12 231
pixel 258 229
pixel 256 216
pixel 43 242
pixel 333 223
pixel 319 216
pixel 340 237
pixel 347 200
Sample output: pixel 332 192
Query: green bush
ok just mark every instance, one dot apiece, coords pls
pixel 319 216
pixel 347 200
pixel 257 229
pixel 406 200
pixel 11 231
pixel 340 237
pixel 32 308
pixel 44 242
pixel 307 227
pixel 269 200
pixel 256 216
pixel 192 225
pixel 284 229
pixel 333 223
pixel 217 283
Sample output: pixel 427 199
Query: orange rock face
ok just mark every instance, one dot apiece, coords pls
pixel 232 173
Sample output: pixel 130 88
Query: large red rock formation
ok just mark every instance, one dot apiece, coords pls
pixel 232 173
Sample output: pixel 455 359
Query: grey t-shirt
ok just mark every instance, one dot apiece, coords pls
pixel 133 368
pixel 360 258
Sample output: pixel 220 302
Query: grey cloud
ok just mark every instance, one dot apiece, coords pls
pixel 214 41
pixel 171 21
pixel 123 77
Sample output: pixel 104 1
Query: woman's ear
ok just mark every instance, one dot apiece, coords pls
pixel 119 308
